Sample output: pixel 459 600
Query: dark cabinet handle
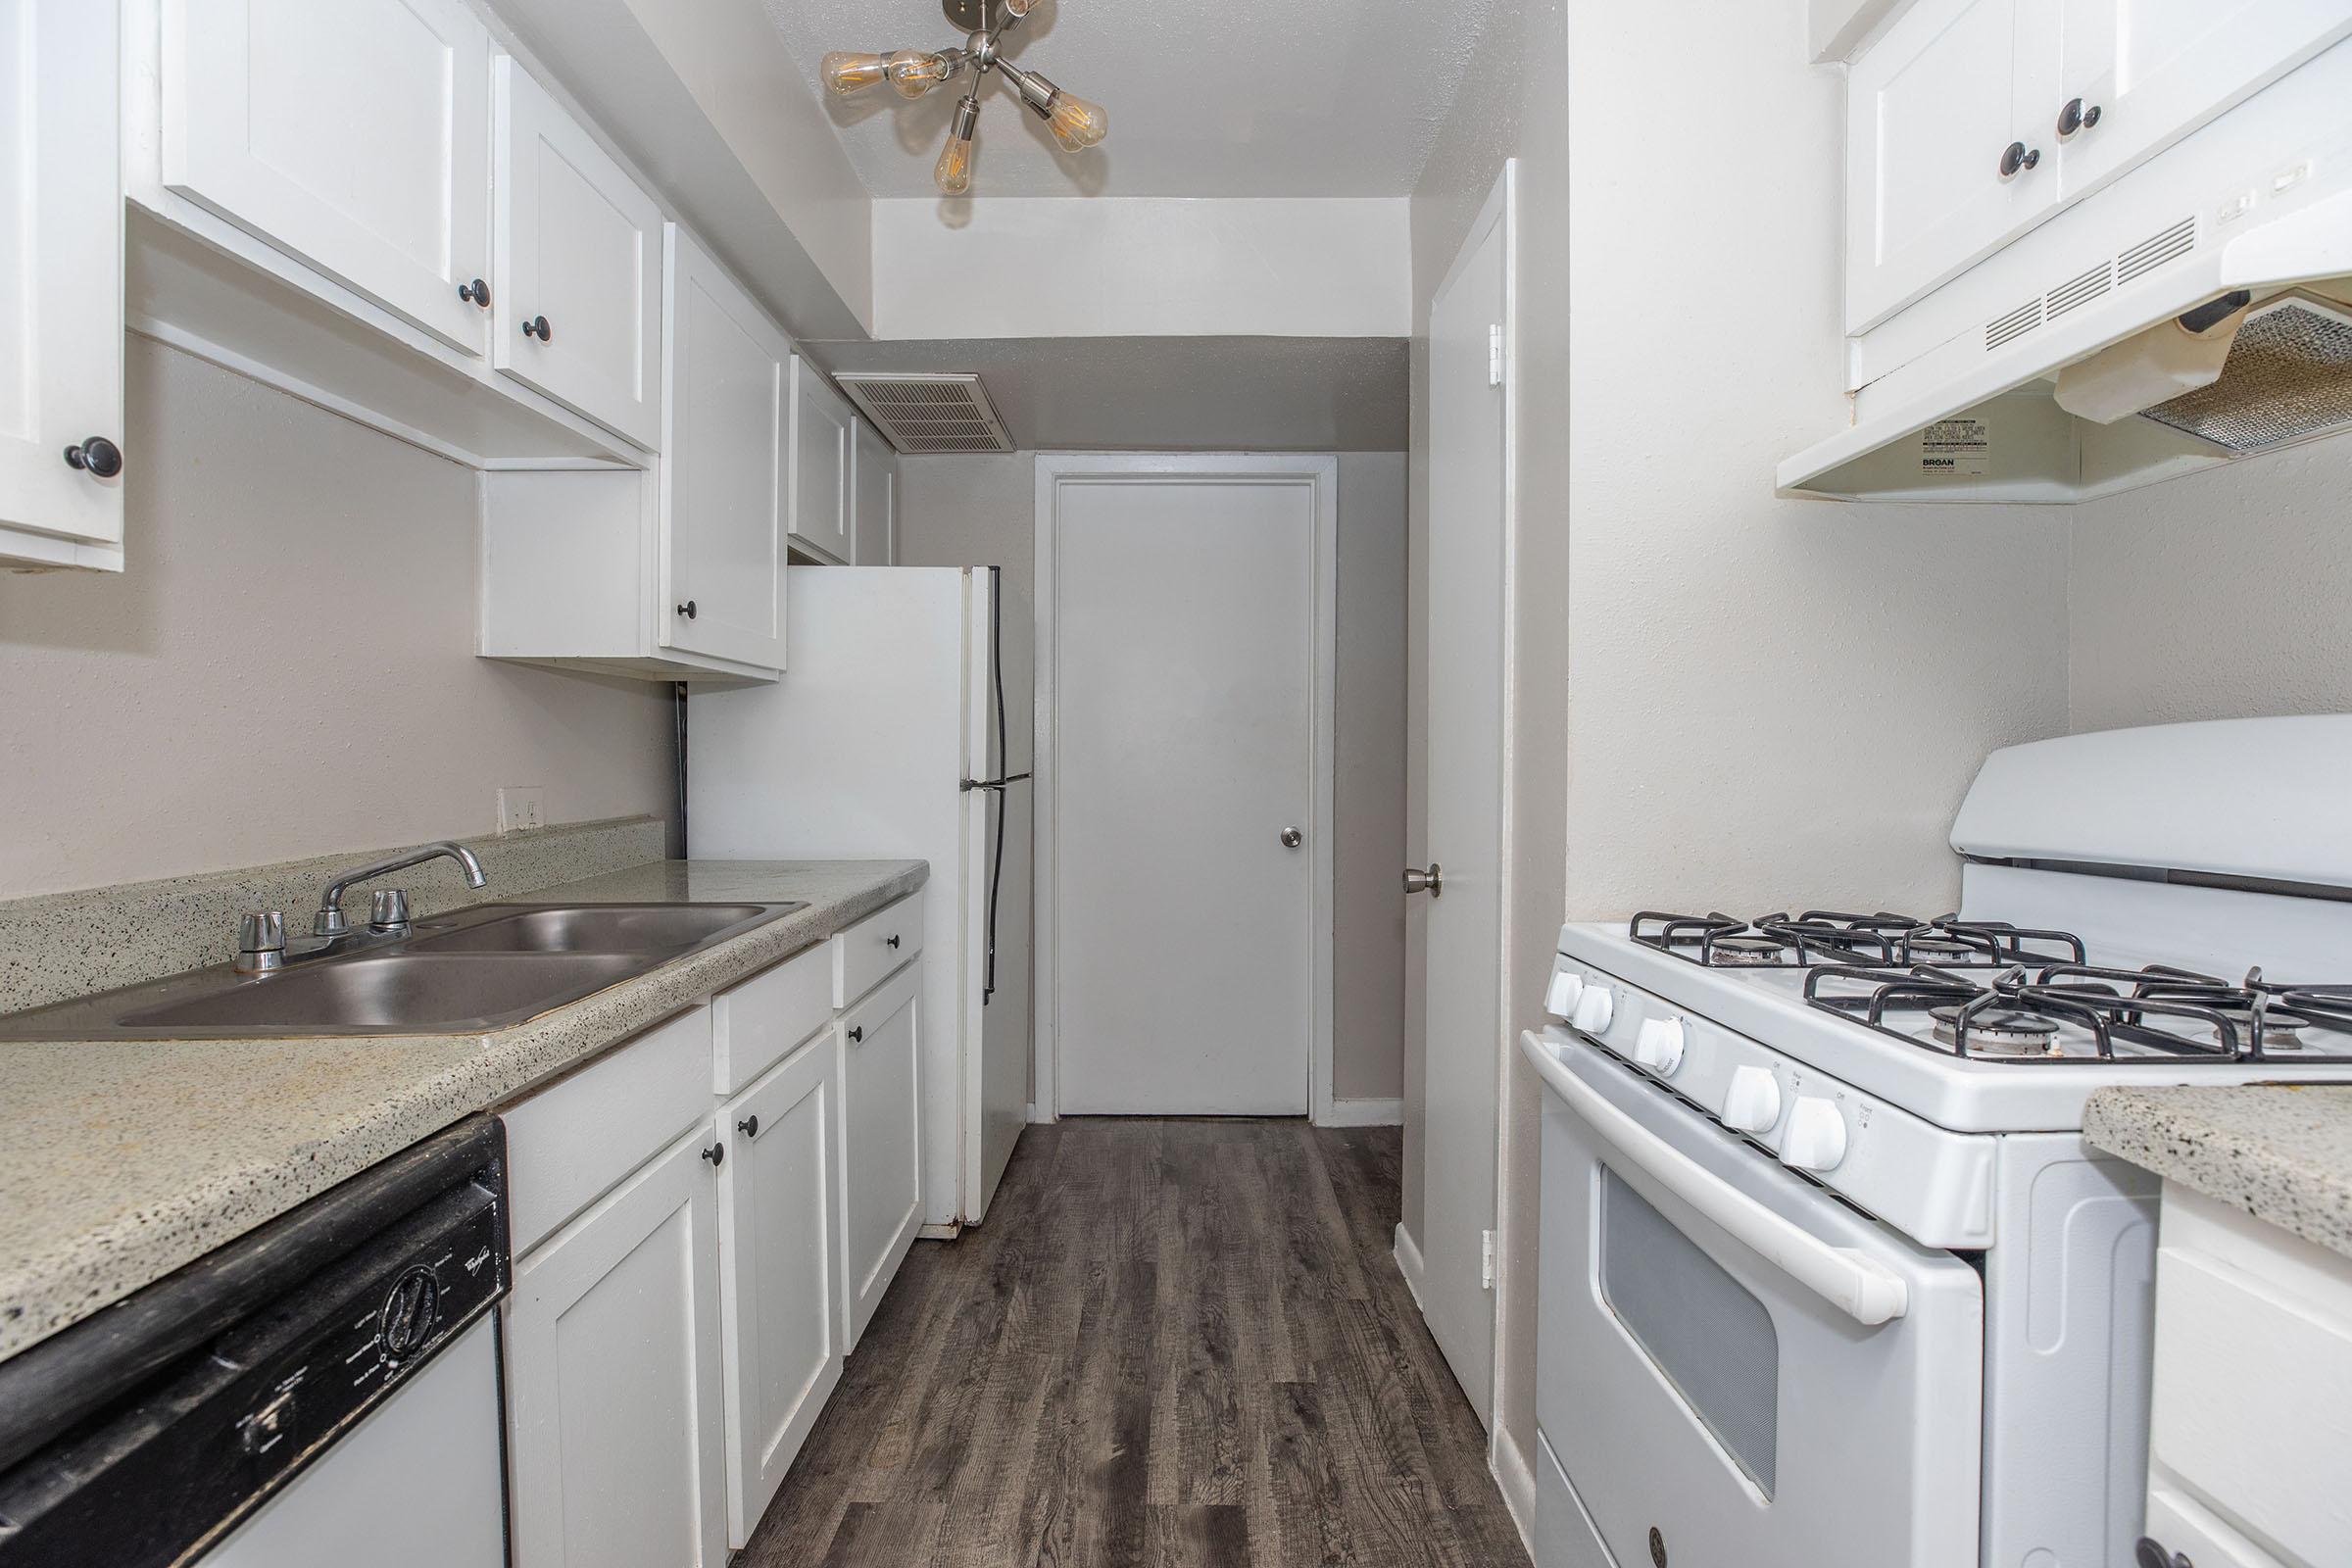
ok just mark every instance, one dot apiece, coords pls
pixel 2015 156
pixel 2148 1555
pixel 476 292
pixel 857 1035
pixel 688 609
pixel 537 327
pixel 2076 116
pixel 748 1126
pixel 97 457
pixel 716 1154
pixel 890 942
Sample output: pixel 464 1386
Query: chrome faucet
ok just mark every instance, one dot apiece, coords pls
pixel 389 915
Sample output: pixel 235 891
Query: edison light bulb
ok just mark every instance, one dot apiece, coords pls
pixel 953 172
pixel 1077 125
pixel 846 72
pixel 915 72
pixel 1019 8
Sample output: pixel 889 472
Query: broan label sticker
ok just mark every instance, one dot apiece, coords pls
pixel 1956 448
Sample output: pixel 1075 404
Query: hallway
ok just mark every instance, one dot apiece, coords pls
pixel 1175 1343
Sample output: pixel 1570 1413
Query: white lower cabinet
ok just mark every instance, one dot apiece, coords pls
pixel 614 1379
pixel 780 1264
pixel 882 1138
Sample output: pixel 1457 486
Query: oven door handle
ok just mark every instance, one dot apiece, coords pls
pixel 1856 1286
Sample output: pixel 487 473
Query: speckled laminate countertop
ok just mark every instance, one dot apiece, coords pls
pixel 121 1162
pixel 2281 1152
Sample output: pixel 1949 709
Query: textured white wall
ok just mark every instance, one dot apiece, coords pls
pixel 2223 595
pixel 287 668
pixel 982 511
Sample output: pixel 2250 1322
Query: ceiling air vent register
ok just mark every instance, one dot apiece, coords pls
pixel 928 413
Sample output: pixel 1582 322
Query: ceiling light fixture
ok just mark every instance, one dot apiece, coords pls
pixel 1076 124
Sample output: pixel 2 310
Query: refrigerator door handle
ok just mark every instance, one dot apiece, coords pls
pixel 971 784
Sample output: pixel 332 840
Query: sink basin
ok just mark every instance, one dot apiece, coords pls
pixel 395 993
pixel 596 928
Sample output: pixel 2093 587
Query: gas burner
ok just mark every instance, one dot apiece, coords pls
pixel 1940 947
pixel 1997 1032
pixel 1746 953
pixel 1774 942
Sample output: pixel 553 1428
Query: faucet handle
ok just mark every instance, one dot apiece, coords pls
pixel 261 940
pixel 388 911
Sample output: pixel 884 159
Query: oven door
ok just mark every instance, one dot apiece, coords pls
pixel 1734 1366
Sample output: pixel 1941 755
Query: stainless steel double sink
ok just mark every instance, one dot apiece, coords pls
pixel 468 972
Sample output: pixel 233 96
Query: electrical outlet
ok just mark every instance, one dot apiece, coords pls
pixel 521 807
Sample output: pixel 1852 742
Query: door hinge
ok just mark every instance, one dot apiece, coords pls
pixel 1486 1260
pixel 1494 355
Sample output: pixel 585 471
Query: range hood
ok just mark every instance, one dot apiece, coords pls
pixel 2178 353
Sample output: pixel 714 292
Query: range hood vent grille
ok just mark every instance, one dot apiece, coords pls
pixel 2166 245
pixel 2288 377
pixel 927 413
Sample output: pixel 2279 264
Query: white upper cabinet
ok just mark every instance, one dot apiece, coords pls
pixel 578 246
pixel 1932 111
pixel 723 466
pixel 874 528
pixel 352 135
pixel 823 431
pixel 2139 75
pixel 62 461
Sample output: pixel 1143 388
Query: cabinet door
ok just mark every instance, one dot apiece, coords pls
pixel 780 1266
pixel 881 1139
pixel 722 464
pixel 876 534
pixel 613 1380
pixel 1929 110
pixel 822 429
pixel 61 279
pixel 580 264
pixel 352 135
pixel 2157 70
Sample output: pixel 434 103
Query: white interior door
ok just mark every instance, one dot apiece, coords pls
pixel 1185 675
pixel 1461 993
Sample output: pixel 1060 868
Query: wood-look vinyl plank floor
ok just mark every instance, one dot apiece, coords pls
pixel 1174 1345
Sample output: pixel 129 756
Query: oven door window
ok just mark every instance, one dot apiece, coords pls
pixel 1706 1332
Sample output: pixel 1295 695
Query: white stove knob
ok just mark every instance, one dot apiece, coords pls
pixel 1753 1103
pixel 1816 1136
pixel 1659 1045
pixel 1560 999
pixel 1593 1010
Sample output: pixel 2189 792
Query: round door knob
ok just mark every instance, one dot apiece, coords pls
pixel 1431 881
pixel 2076 116
pixel 97 457
pixel 1292 838
pixel 1559 998
pixel 537 327
pixel 2015 156
pixel 476 292
pixel 689 610
pixel 1816 1136
pixel 857 1035
pixel 1659 1043
pixel 716 1154
pixel 748 1126
pixel 1596 1009
pixel 1752 1104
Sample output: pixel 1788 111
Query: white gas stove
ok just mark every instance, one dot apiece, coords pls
pixel 2145 907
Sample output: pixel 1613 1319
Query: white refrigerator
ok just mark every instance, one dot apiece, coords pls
pixel 886 739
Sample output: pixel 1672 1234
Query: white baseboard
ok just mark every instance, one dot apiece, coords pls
pixel 1517 1479
pixel 1364 1113
pixel 1409 1265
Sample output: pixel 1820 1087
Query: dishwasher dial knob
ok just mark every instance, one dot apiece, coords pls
pixel 1659 1045
pixel 1593 1010
pixel 1753 1101
pixel 1816 1136
pixel 412 1311
pixel 1559 999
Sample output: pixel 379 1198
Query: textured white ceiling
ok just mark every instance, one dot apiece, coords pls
pixel 1277 98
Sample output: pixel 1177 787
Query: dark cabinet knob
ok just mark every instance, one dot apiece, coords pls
pixel 857 1035
pixel 716 1154
pixel 2015 156
pixel 476 292
pixel 890 942
pixel 2076 116
pixel 97 457
pixel 2148 1555
pixel 748 1126
pixel 688 609
pixel 537 327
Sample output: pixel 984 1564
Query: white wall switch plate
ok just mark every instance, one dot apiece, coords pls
pixel 521 807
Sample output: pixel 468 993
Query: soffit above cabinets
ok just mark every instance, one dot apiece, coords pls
pixel 1281 98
